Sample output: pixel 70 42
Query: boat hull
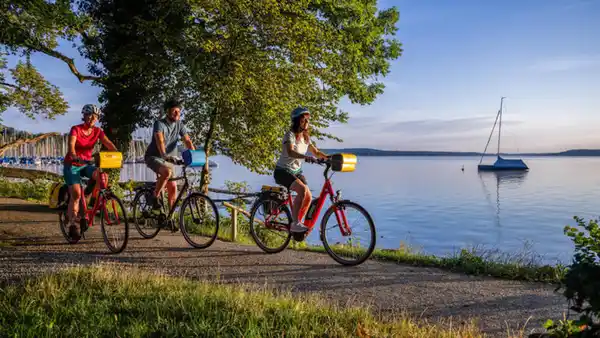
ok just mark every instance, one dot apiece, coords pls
pixel 504 164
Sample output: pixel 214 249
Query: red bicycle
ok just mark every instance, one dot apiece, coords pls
pixel 103 202
pixel 273 235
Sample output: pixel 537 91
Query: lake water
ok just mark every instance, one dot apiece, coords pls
pixel 429 203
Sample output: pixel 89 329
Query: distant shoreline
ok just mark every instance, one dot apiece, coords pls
pixel 377 152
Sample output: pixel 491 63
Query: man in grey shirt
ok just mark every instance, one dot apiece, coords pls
pixel 165 134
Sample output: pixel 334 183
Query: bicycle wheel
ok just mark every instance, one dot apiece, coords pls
pixel 271 234
pixel 143 219
pixel 113 217
pixel 201 226
pixel 354 252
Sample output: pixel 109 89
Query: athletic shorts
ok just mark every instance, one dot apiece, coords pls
pixel 285 178
pixel 155 162
pixel 72 174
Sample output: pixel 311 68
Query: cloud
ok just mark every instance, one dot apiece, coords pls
pixel 561 64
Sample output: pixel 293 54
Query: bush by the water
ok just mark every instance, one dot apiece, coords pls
pixel 581 283
pixel 25 190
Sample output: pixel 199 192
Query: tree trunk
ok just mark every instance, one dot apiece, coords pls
pixel 205 177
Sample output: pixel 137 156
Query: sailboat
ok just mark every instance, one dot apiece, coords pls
pixel 501 163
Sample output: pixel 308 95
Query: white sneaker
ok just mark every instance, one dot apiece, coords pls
pixel 298 227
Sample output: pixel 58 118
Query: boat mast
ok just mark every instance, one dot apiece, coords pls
pixel 500 126
pixel 491 133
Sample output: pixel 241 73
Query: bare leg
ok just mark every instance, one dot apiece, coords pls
pixel 302 200
pixel 172 192
pixel 164 174
pixel 73 210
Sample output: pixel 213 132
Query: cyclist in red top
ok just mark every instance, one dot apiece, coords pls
pixel 82 139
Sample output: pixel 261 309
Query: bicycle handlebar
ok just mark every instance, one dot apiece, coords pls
pixel 320 161
pixel 174 160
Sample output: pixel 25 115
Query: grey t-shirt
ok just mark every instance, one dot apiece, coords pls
pixel 172 132
pixel 292 164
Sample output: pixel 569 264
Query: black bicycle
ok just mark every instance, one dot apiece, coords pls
pixel 199 228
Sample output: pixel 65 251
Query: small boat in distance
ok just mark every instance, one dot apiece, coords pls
pixel 501 163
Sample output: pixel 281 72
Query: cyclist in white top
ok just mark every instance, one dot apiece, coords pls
pixel 288 170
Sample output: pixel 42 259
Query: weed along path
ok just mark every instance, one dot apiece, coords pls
pixel 31 242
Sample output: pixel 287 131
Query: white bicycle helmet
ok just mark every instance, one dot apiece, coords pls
pixel 91 109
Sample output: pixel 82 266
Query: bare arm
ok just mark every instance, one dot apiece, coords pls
pixel 108 143
pixel 72 140
pixel 160 143
pixel 316 151
pixel 292 153
pixel 188 142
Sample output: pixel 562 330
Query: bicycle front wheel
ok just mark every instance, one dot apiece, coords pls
pixel 199 220
pixel 114 224
pixel 349 236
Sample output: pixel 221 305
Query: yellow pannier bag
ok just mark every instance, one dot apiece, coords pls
pixel 343 162
pixel 109 159
pixel 271 188
pixel 59 195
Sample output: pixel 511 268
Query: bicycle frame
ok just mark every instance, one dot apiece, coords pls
pixel 100 201
pixel 181 193
pixel 326 190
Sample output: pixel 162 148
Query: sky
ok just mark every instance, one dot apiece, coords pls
pixel 460 57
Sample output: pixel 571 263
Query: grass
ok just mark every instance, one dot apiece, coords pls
pixel 112 300
pixel 474 261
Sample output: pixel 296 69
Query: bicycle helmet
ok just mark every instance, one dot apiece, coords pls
pixel 296 113
pixel 91 109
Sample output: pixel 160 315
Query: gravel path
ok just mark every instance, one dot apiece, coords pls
pixel 37 245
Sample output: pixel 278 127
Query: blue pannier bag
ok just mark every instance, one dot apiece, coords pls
pixel 194 158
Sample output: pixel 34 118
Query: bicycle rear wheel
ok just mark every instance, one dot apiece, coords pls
pixel 360 240
pixel 144 220
pixel 201 226
pixel 113 218
pixel 270 222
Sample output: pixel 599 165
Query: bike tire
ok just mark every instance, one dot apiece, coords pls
pixel 184 229
pixel 257 206
pixel 328 248
pixel 114 249
pixel 135 203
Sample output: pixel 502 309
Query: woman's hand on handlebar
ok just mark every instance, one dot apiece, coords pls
pixel 310 159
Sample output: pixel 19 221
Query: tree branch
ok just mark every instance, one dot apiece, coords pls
pixel 68 61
